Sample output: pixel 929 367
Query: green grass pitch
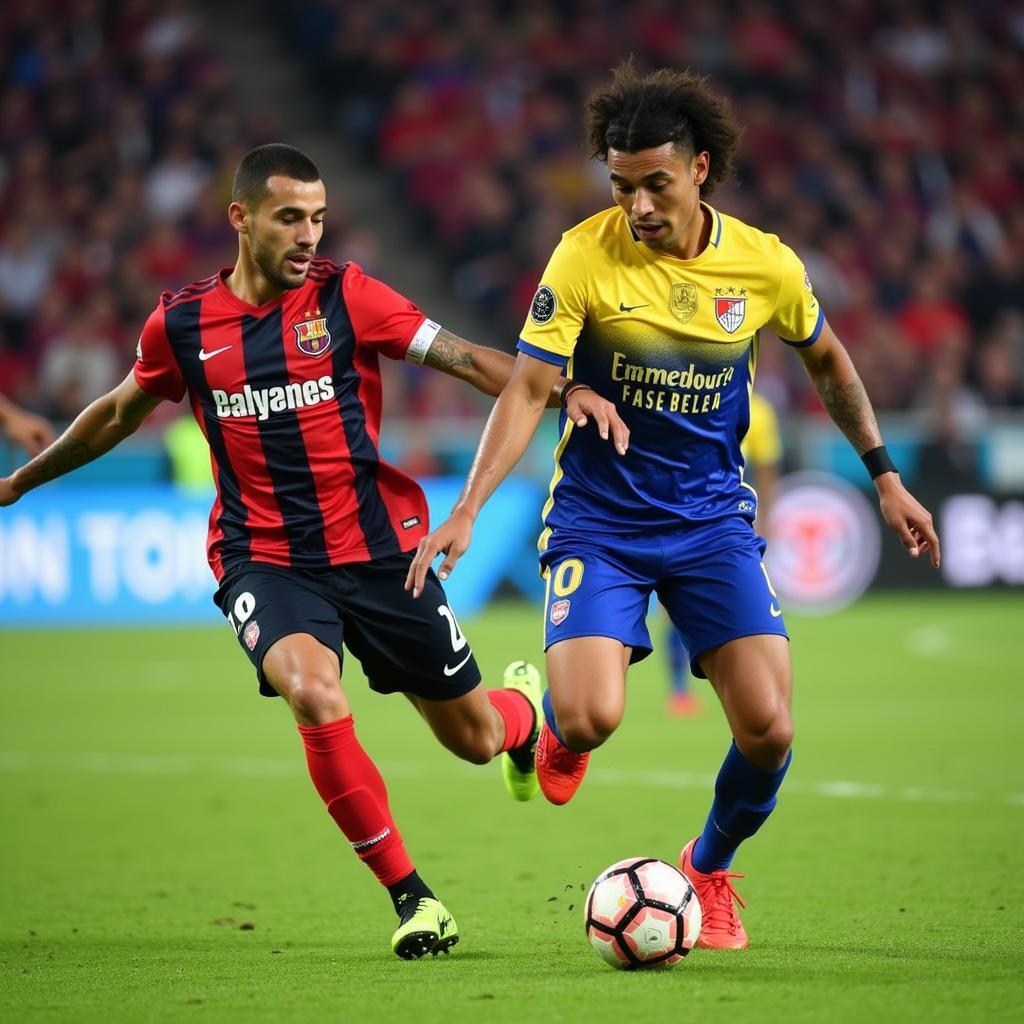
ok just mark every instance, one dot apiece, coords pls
pixel 164 857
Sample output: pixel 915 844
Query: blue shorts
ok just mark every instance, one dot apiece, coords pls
pixel 709 577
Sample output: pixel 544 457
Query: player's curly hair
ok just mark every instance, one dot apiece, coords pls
pixel 634 113
pixel 258 165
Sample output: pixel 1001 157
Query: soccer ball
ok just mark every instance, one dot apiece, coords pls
pixel 642 912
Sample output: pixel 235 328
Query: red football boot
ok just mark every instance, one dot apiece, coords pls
pixel 721 927
pixel 559 769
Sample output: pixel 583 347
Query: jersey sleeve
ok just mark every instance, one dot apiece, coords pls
pixel 559 307
pixel 797 318
pixel 156 369
pixel 385 320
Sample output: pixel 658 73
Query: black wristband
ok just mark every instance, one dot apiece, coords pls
pixel 573 385
pixel 877 462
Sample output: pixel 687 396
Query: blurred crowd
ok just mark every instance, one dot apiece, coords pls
pixel 118 137
pixel 884 142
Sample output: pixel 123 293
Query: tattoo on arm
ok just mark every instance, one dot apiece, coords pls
pixel 850 408
pixel 64 455
pixel 449 354
pixel 137 407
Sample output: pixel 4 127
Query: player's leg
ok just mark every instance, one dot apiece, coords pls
pixel 416 646
pixel 583 706
pixel 727 612
pixel 482 723
pixel 595 625
pixel 753 680
pixel 271 611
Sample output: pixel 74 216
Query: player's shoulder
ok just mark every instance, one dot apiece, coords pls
pixel 753 250
pixel 600 227
pixel 743 237
pixel 189 292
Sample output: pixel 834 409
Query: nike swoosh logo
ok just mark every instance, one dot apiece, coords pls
pixel 203 356
pixel 775 610
pixel 451 671
pixel 629 309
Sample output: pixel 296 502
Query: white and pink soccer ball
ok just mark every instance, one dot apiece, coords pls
pixel 642 912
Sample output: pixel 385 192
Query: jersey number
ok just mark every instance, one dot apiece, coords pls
pixel 245 605
pixel 568 576
pixel 458 640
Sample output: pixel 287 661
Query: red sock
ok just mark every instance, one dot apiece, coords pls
pixel 517 714
pixel 349 783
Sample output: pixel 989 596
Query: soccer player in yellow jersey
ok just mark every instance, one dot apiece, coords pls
pixel 657 304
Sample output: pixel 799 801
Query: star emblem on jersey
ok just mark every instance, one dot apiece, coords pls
pixel 312 336
pixel 682 301
pixel 730 312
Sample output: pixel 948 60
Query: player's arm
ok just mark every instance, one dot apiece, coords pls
pixel 489 370
pixel 843 395
pixel 98 428
pixel 33 433
pixel 511 425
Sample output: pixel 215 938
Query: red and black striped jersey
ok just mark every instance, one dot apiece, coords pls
pixel 288 395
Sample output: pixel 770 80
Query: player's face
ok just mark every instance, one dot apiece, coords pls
pixel 285 230
pixel 659 191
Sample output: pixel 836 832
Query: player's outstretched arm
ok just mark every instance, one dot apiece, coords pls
pixel 489 370
pixel 843 395
pixel 33 433
pixel 507 433
pixel 97 429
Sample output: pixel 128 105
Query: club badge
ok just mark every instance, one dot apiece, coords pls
pixel 311 335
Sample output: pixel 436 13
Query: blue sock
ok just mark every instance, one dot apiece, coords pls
pixel 744 797
pixel 549 717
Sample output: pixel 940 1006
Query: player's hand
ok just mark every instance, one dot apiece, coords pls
pixel 451 538
pixel 584 405
pixel 908 517
pixel 8 495
pixel 33 433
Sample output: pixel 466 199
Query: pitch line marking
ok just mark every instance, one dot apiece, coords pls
pixel 100 763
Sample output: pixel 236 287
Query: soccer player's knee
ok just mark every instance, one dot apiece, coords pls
pixel 768 746
pixel 475 749
pixel 315 698
pixel 585 731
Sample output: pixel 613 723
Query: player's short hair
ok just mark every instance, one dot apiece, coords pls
pixel 260 164
pixel 635 113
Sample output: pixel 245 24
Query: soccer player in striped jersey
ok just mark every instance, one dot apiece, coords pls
pixel 657 304
pixel 312 533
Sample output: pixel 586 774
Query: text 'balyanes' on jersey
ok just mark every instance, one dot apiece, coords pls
pixel 288 395
pixel 673 343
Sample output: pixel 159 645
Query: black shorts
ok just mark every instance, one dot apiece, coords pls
pixel 405 644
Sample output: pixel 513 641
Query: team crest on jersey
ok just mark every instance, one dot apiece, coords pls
pixel 730 312
pixel 559 611
pixel 311 335
pixel 544 304
pixel 252 635
pixel 682 302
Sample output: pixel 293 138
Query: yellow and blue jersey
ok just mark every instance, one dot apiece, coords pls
pixel 673 343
